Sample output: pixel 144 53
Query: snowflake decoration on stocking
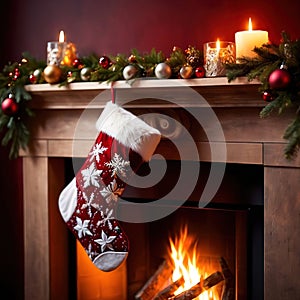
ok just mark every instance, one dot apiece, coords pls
pixel 112 192
pixel 97 150
pixel 118 165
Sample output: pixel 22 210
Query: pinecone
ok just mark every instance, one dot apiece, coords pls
pixel 194 56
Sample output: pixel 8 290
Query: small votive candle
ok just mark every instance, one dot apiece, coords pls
pixel 56 50
pixel 69 55
pixel 216 56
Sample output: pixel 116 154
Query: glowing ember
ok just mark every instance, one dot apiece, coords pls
pixel 183 252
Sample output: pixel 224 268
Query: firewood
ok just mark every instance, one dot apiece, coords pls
pixel 200 287
pixel 229 282
pixel 167 292
pixel 155 283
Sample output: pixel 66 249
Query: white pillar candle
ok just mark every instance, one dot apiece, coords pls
pixel 246 41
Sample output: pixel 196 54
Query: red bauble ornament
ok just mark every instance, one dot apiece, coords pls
pixel 200 72
pixel 77 63
pixel 104 62
pixel 279 79
pixel 9 106
pixel 32 78
pixel 268 96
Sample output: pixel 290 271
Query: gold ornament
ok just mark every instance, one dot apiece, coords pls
pixel 186 71
pixel 52 74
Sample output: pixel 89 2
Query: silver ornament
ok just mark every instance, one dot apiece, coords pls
pixel 129 72
pixel 163 71
pixel 186 71
pixel 85 74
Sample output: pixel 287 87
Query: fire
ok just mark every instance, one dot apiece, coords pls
pixel 186 265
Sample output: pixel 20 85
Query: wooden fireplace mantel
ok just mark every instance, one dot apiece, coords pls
pixel 59 131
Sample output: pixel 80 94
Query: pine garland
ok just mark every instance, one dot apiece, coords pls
pixel 15 76
pixel 270 57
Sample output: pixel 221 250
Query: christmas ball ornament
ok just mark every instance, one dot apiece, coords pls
pixel 32 78
pixel 200 72
pixel 129 72
pixel 104 62
pixel 9 106
pixel 163 71
pixel 186 71
pixel 279 79
pixel 85 73
pixel 52 74
pixel 38 73
pixel 77 63
pixel 268 96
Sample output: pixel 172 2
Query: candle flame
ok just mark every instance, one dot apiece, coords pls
pixel 218 45
pixel 61 38
pixel 250 24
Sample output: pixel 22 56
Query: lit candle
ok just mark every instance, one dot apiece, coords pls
pixel 69 53
pixel 246 41
pixel 56 50
pixel 216 55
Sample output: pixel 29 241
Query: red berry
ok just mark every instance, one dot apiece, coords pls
pixel 268 96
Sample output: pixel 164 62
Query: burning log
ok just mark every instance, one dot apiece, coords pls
pixel 200 287
pixel 229 283
pixel 155 283
pixel 167 292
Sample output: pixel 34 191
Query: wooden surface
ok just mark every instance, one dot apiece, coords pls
pixel 282 232
pixel 64 126
pixel 36 228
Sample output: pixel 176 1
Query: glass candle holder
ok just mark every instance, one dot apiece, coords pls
pixel 56 52
pixel 69 55
pixel 216 56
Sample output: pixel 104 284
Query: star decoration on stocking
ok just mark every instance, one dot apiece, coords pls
pixel 82 227
pixel 91 176
pixel 105 241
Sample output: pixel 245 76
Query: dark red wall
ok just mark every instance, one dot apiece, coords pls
pixel 111 27
pixel 117 26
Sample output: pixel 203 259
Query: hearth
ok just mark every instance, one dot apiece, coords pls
pixel 230 227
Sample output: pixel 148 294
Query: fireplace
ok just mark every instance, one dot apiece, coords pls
pixel 231 227
pixel 254 148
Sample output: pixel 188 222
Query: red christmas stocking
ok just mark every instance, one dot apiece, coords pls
pixel 87 204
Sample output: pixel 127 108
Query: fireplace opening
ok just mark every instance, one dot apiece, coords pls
pixel 229 227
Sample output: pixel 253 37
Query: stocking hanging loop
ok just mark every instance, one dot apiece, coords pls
pixel 113 99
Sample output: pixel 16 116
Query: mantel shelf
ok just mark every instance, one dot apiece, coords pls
pixel 149 93
pixel 141 83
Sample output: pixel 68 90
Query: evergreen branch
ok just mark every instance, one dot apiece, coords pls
pixel 292 135
pixel 281 103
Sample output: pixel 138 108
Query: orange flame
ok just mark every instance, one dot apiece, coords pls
pixel 186 265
